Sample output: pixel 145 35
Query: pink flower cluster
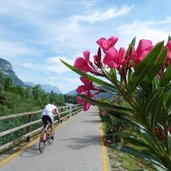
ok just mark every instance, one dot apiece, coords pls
pixel 113 58
pixel 86 89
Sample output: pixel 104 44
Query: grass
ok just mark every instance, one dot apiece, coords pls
pixel 123 162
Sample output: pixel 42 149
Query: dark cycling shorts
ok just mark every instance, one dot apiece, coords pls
pixel 46 119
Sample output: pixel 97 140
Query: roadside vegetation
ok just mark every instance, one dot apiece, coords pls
pixel 15 99
pixel 119 161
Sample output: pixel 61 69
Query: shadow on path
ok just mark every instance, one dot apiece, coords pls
pixel 78 143
pixel 30 152
pixel 89 121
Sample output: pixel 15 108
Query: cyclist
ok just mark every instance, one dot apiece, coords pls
pixel 47 115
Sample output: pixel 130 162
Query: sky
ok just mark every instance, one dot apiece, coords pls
pixel 36 34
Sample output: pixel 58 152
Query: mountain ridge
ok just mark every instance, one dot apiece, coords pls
pixel 6 68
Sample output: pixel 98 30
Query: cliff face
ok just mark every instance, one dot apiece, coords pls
pixel 6 68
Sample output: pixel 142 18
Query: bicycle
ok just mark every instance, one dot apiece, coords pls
pixel 46 133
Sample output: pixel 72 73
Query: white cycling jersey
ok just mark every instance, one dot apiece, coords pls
pixel 48 111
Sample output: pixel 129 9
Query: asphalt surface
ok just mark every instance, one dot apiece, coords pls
pixel 76 147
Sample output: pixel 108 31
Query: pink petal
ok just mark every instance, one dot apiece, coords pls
pixel 121 54
pixel 81 64
pixel 144 44
pixel 113 40
pixel 85 80
pixel 87 56
pixel 81 89
pixel 79 100
pixel 112 53
pixel 169 49
pixel 106 44
pixel 86 106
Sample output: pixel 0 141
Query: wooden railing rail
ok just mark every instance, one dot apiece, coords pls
pixel 30 113
pixel 65 111
pixel 17 115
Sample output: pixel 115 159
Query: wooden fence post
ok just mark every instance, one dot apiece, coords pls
pixel 29 128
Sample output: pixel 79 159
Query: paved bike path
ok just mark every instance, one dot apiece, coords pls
pixel 76 147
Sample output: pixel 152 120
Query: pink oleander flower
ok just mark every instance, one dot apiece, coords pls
pixel 87 89
pixel 98 59
pixel 169 50
pixel 106 44
pixel 84 64
pixel 114 58
pixel 88 85
pixel 84 102
pixel 144 47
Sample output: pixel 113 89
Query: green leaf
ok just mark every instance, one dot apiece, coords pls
pixel 119 115
pixel 143 68
pixel 169 141
pixel 130 46
pixel 167 100
pixel 169 119
pixel 151 141
pixel 153 107
pixel 166 77
pixel 105 88
pixel 90 77
pixel 105 104
pixel 155 69
pixel 113 74
pixel 169 37
pixel 131 139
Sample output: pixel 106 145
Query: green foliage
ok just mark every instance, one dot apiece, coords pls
pixel 16 99
pixel 147 96
pixel 70 99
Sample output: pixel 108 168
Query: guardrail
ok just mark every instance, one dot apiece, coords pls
pixel 33 126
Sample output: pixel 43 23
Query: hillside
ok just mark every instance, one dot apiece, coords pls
pixel 6 68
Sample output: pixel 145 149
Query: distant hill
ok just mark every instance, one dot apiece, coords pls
pixel 46 87
pixel 72 93
pixel 101 95
pixel 6 68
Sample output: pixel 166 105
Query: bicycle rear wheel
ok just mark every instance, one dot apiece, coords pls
pixel 41 142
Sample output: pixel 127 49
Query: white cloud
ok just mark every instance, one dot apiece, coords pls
pixel 22 9
pixel 151 30
pixel 101 16
pixel 12 49
pixel 68 83
pixel 74 80
pixel 28 65
pixel 55 65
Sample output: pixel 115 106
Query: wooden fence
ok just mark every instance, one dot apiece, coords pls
pixel 31 130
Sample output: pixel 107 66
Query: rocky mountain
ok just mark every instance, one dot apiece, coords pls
pixel 6 68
